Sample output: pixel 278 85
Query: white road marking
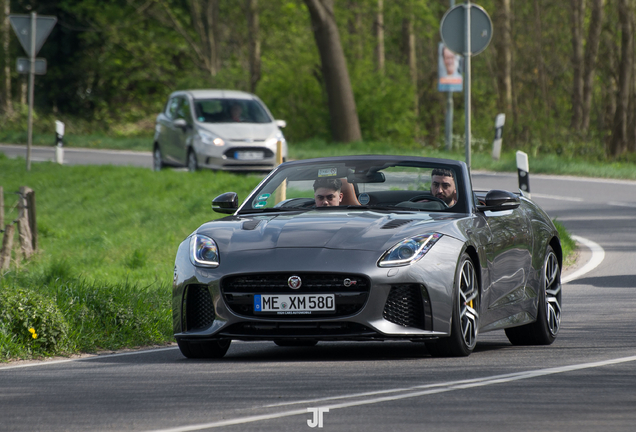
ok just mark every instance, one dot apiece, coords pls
pixel 558 198
pixel 598 255
pixel 621 204
pixel 406 393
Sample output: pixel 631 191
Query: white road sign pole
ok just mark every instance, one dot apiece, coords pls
pixel 467 100
pixel 31 90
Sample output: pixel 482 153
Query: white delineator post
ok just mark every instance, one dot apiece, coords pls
pixel 523 172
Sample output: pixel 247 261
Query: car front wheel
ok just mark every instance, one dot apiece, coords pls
pixel 192 161
pixel 157 161
pixel 465 319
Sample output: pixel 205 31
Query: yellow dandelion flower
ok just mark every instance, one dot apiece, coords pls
pixel 32 330
pixel 35 335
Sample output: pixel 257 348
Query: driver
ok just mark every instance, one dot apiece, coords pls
pixel 327 192
pixel 443 186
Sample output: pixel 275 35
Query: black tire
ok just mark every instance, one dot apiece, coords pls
pixel 295 342
pixel 546 328
pixel 204 349
pixel 157 159
pixel 465 319
pixel 192 163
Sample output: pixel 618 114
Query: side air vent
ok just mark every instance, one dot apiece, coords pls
pixel 408 306
pixel 394 223
pixel 199 309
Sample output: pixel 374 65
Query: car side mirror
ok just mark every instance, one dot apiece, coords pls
pixel 500 200
pixel 225 203
pixel 180 123
pixel 281 123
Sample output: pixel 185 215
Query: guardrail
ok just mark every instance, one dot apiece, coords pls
pixel 27 227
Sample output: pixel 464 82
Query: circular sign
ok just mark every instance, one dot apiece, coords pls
pixel 453 29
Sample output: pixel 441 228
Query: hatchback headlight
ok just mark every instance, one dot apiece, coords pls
pixel 409 250
pixel 203 251
pixel 208 138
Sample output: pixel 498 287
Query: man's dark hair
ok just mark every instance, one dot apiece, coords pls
pixel 329 183
pixel 442 172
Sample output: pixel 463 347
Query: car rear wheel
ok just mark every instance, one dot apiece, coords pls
pixel 157 161
pixel 465 319
pixel 192 161
pixel 204 349
pixel 546 328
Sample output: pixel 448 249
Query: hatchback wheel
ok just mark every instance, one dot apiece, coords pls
pixel 157 161
pixel 192 161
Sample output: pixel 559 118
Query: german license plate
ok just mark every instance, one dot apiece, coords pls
pixel 300 304
pixel 249 155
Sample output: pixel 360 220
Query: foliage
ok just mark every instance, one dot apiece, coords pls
pixel 30 321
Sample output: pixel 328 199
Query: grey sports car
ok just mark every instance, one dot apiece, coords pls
pixel 363 248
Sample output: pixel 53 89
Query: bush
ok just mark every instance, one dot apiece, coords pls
pixel 33 322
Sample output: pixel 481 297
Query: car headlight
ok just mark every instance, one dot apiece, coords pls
pixel 409 250
pixel 204 251
pixel 208 138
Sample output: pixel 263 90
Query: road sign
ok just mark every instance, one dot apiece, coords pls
pixel 24 66
pixel 22 26
pixel 453 29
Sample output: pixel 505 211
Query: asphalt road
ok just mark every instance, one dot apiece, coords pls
pixel 585 381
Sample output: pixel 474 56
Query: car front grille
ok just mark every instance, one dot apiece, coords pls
pixel 199 309
pixel 351 291
pixel 409 306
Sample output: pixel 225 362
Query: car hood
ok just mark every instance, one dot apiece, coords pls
pixel 349 230
pixel 242 131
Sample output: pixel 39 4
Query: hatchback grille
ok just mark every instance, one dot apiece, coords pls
pixel 199 309
pixel 408 306
pixel 351 291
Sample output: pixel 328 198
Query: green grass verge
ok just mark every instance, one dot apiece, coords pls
pixel 108 237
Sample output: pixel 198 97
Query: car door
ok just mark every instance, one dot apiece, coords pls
pixel 169 133
pixel 183 134
pixel 509 256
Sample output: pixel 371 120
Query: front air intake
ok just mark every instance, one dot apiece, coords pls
pixel 408 306
pixel 199 309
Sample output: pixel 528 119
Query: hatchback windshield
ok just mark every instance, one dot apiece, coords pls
pixel 230 111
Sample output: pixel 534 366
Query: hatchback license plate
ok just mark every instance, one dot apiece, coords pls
pixel 249 155
pixel 294 304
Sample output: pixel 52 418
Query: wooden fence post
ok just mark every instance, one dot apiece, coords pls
pixel 7 245
pixel 24 229
pixel 1 207
pixel 30 202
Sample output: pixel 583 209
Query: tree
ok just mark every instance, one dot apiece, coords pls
pixel 6 31
pixel 379 33
pixel 503 45
pixel 618 140
pixel 254 43
pixel 591 53
pixel 345 126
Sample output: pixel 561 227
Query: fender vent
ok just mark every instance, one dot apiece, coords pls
pixel 251 224
pixel 394 223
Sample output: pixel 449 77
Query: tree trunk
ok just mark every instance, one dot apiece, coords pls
pixel 355 29
pixel 6 33
pixel 379 32
pixel 618 141
pixel 408 36
pixel 504 55
pixel 345 126
pixel 542 75
pixel 577 14
pixel 254 43
pixel 589 65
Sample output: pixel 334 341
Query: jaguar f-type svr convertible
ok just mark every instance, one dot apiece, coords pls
pixel 362 248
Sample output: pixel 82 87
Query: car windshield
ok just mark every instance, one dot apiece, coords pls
pixel 230 111
pixel 350 184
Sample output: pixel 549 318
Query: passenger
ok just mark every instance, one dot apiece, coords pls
pixel 327 192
